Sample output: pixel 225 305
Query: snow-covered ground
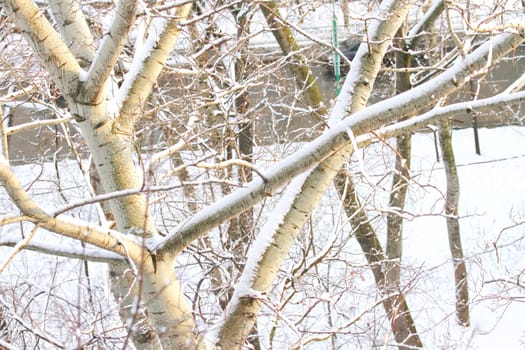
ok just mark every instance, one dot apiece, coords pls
pixel 492 210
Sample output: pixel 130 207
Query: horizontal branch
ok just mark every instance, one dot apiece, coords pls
pixel 438 113
pixel 335 139
pixel 98 236
pixel 67 251
pixel 229 163
pixel 36 124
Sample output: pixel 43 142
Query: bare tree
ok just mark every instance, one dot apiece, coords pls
pixel 165 100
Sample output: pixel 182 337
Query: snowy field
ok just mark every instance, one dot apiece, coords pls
pixel 492 209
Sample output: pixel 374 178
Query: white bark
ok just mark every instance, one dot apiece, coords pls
pixel 147 66
pixel 98 236
pixel 113 155
pixel 47 43
pixel 334 139
pixel 109 51
pixel 263 266
pixel 50 247
pixel 73 27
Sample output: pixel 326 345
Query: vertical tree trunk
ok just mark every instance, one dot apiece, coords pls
pixel 278 236
pixel 395 305
pixel 398 193
pixel 242 228
pixel 386 267
pixel 454 236
pixel 394 246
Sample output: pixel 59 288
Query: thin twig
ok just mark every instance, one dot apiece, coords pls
pixel 19 247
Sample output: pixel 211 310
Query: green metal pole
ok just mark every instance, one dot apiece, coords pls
pixel 337 59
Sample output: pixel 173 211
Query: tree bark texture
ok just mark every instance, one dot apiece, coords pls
pixel 401 176
pixel 113 151
pixel 395 305
pixel 258 275
pixel 453 227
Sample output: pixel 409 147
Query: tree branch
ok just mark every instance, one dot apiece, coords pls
pixel 109 50
pixel 334 139
pixel 52 248
pixel 74 28
pixel 54 53
pixel 35 124
pixel 21 244
pixel 437 113
pixel 428 19
pixel 139 82
pixel 296 61
pixel 303 195
pixel 98 236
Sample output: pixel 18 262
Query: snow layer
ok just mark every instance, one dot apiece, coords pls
pixel 492 187
pixel 492 209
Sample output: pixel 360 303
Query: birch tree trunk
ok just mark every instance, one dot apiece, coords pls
pixel 112 148
pixel 402 323
pixel 306 191
pixel 258 275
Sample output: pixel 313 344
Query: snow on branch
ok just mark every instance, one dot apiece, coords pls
pixel 439 112
pixel 110 49
pixel 336 138
pixel 101 237
pixel 146 68
pixel 428 19
pixel 46 246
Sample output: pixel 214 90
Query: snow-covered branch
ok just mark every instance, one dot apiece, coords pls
pixel 24 91
pixel 101 237
pixel 439 112
pixel 68 251
pixel 427 20
pixel 110 49
pixel 146 68
pixel 334 139
pixel 303 195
